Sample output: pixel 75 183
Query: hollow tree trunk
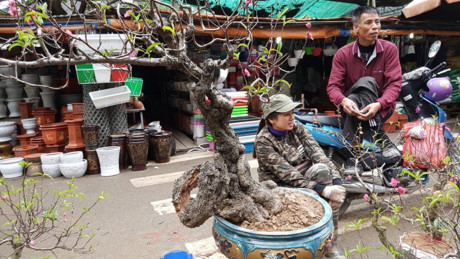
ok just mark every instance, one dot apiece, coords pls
pixel 225 186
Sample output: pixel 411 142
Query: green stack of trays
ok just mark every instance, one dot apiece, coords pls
pixel 240 111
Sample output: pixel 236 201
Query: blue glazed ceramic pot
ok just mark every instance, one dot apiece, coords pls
pixel 311 242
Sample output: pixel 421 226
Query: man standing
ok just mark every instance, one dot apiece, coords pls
pixel 366 75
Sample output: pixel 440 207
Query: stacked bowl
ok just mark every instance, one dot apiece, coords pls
pixel 72 164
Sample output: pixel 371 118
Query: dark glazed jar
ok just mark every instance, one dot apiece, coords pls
pixel 120 140
pixel 161 145
pixel 138 147
pixel 93 162
pixel 91 136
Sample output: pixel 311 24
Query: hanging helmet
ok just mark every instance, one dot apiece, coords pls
pixel 440 89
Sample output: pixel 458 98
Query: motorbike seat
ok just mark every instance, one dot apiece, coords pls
pixel 321 119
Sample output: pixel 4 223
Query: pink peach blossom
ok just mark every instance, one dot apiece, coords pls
pixel 366 198
pixel 401 190
pixel 418 109
pixel 348 178
pixel 4 197
pixel 310 36
pixel 246 72
pixel 128 13
pixel 32 243
pixel 308 25
pixel 394 182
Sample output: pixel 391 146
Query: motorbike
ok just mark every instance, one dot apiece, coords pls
pixel 417 99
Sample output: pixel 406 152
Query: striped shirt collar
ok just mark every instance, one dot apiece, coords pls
pixel 378 49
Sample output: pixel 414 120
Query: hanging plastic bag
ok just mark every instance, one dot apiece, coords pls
pixel 427 148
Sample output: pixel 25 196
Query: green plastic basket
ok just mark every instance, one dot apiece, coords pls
pixel 85 73
pixel 135 85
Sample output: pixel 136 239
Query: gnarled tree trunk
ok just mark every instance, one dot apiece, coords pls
pixel 225 186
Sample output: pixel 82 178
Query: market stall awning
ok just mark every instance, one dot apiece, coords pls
pixel 438 8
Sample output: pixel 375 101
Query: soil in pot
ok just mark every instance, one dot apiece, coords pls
pixel 300 211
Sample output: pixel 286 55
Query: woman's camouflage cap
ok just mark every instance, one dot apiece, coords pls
pixel 279 103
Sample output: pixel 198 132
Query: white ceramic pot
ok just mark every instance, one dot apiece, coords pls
pixel 71 157
pixel 48 99
pixel 31 91
pixel 10 167
pixel 29 125
pixel 299 53
pixel 51 158
pixel 102 73
pixel 52 170
pixel 2 108
pixel 74 169
pixel 34 100
pixel 13 106
pixel 108 160
pixel 7 70
pixel 292 62
pixel 12 83
pixel 14 93
pixel 7 128
pixel 30 78
pixel 46 80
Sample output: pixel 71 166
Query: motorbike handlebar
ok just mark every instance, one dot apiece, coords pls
pixel 439 67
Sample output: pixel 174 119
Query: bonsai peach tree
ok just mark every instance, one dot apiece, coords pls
pixel 32 217
pixel 161 33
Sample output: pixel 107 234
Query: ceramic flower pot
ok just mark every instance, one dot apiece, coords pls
pixel 54 133
pixel 34 101
pixel 2 108
pixel 74 169
pixel 25 110
pixel 6 150
pixel 46 80
pixel 30 78
pixel 29 125
pixel 56 148
pixel 71 157
pixel 7 128
pixel 13 107
pixel 38 141
pixel 75 134
pixel 21 151
pixel 35 168
pixel 93 162
pixel 161 144
pixel 14 92
pixel 108 160
pixel 48 99
pixel 51 158
pixel 138 151
pixel 52 170
pixel 31 91
pixel 10 167
pixel 120 140
pixel 44 115
pixel 90 134
pixel 24 140
pixel 307 243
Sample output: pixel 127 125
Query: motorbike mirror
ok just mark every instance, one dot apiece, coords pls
pixel 434 48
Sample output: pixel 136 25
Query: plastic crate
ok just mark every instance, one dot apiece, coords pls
pixel 85 73
pixel 135 85
pixel 110 97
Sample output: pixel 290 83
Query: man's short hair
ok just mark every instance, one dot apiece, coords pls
pixel 358 11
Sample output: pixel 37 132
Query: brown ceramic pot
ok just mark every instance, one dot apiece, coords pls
pixel 25 110
pixel 35 169
pixel 21 151
pixel 93 162
pixel 44 115
pixel 40 143
pixel 120 140
pixel 91 135
pixel 161 145
pixel 24 140
pixel 75 134
pixel 54 133
pixel 55 148
pixel 138 151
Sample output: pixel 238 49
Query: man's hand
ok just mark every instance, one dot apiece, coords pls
pixel 334 193
pixel 370 111
pixel 350 107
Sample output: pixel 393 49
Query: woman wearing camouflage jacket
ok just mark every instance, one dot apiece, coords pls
pixel 289 155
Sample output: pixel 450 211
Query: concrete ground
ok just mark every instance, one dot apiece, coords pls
pixel 137 219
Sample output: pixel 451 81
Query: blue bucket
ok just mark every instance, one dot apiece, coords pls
pixel 178 254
